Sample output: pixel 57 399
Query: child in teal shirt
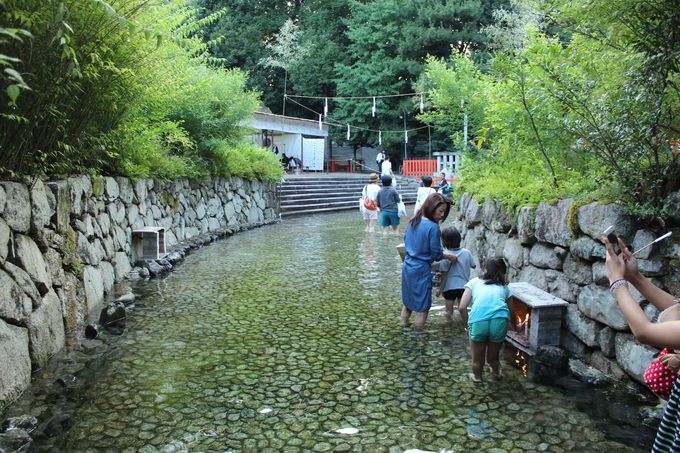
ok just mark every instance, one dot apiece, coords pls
pixel 488 320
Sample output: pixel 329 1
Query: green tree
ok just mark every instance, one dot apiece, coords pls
pixel 587 113
pixel 389 42
pixel 243 35
pixel 323 32
pixel 284 52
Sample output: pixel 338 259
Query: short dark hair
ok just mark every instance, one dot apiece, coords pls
pixel 494 271
pixel 451 237
pixel 427 181
pixel 386 180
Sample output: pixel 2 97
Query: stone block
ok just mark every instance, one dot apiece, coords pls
pixel 15 304
pixel 577 271
pixel 4 240
pixel 15 374
pixel 547 257
pixel 594 218
pixel 584 328
pixel 94 288
pixel 552 225
pixel 111 188
pixel 62 204
pixel 587 249
pixel 126 192
pixel 17 212
pixel 597 303
pixel 32 261
pixel 46 330
pixel 42 205
pixel 633 356
pixel 606 341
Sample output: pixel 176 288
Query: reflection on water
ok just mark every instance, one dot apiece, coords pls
pixel 288 338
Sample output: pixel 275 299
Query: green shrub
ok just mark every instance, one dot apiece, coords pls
pixel 120 87
pixel 244 160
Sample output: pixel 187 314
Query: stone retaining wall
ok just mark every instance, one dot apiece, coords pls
pixel 64 244
pixel 558 248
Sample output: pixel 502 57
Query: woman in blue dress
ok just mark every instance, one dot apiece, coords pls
pixel 422 242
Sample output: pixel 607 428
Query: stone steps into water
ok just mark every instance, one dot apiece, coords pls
pixel 319 193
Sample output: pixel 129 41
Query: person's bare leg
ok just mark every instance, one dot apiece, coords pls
pixel 478 355
pixel 405 315
pixel 421 317
pixel 493 358
pixel 449 309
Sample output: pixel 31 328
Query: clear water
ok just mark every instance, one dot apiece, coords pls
pixel 279 337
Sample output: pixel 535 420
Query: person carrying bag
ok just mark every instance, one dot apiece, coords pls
pixel 368 204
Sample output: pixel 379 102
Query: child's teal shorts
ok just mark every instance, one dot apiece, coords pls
pixel 489 330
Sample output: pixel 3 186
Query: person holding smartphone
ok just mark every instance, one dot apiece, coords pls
pixel 623 271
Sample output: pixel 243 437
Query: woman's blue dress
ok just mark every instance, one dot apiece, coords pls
pixel 423 246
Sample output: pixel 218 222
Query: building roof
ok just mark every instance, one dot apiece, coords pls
pixel 286 124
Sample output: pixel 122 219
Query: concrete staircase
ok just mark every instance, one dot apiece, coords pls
pixel 324 192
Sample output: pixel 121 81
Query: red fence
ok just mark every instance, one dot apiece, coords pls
pixel 419 167
pixel 343 165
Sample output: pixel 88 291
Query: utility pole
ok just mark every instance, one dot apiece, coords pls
pixel 404 117
pixel 465 125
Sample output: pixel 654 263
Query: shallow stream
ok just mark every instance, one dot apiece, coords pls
pixel 287 337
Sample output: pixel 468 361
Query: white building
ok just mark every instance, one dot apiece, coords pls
pixel 296 137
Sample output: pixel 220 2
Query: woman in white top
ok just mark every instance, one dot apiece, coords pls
pixel 371 191
pixel 423 193
pixel 386 167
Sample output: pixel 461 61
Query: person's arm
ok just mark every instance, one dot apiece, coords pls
pixel 442 280
pixel 666 334
pixel 451 257
pixel 463 305
pixel 655 295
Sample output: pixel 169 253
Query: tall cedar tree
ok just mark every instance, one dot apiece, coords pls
pixel 389 42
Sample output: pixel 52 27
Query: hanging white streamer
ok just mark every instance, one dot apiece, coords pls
pixel 405 136
pixel 348 132
pixel 373 109
pixel 320 124
pixel 421 104
pixel 379 137
pixel 325 108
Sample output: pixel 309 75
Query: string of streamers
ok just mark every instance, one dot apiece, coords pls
pixel 332 122
pixel 356 97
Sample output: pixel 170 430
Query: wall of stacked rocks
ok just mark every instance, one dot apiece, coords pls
pixel 558 247
pixel 64 245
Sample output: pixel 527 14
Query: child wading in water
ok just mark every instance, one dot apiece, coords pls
pixel 453 276
pixel 488 321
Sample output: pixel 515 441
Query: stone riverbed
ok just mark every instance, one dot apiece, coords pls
pixel 287 338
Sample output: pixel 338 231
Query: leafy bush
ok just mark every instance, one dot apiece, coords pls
pixel 245 160
pixel 586 115
pixel 117 87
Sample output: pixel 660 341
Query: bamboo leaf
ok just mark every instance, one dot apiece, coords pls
pixel 109 9
pixel 13 92
pixel 6 58
pixel 13 74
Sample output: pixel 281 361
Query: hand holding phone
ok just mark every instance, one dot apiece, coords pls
pixel 612 238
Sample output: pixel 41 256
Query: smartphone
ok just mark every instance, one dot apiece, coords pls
pixel 612 238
